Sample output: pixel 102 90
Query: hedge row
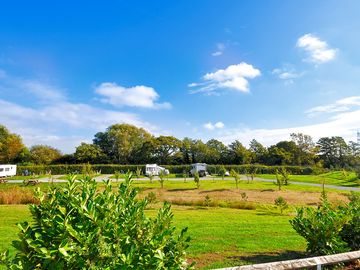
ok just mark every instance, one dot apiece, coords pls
pixel 177 169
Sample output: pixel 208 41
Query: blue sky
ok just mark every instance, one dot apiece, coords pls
pixel 202 69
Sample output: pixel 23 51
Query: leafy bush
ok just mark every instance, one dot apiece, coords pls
pixel 330 230
pixel 281 203
pixel 151 197
pixel 76 227
pixel 351 231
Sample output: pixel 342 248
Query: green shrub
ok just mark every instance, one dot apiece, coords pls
pixel 281 203
pixel 76 227
pixel 151 197
pixel 321 228
pixel 207 201
pixel 350 233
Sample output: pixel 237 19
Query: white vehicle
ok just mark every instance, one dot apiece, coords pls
pixel 154 169
pixel 7 170
pixel 200 168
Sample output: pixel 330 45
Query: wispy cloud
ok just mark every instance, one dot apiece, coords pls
pixel 137 96
pixel 211 126
pixel 343 124
pixel 220 48
pixel 50 115
pixel 234 77
pixel 318 50
pixel 288 75
pixel 341 105
pixel 39 125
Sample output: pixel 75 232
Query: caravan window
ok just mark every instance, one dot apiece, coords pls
pixel 1 169
pixel 7 169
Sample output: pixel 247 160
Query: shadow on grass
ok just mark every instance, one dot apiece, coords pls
pixel 215 190
pixel 268 190
pixel 180 189
pixel 270 257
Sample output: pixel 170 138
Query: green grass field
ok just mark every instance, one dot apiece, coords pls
pixel 336 178
pixel 220 237
pixel 21 177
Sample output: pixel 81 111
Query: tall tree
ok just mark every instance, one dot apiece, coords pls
pixel 165 148
pixel 44 154
pixel 11 146
pixel 333 151
pixel 238 153
pixel 121 141
pixel 217 152
pixel 258 152
pixel 89 153
pixel 185 150
pixel 307 149
pixel 199 151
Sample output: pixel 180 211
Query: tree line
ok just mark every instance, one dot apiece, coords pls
pixel 128 144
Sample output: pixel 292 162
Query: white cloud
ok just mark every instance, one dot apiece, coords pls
pixel 234 77
pixel 220 48
pixel 48 115
pixel 341 105
pixel 286 74
pixel 41 90
pixel 137 96
pixel 211 126
pixel 43 124
pixel 317 49
pixel 343 124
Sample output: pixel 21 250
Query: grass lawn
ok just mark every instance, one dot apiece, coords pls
pixel 220 237
pixel 225 184
pixel 331 178
pixel 22 177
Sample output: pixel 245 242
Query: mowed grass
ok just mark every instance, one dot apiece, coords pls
pixel 28 177
pixel 225 184
pixel 337 178
pixel 220 237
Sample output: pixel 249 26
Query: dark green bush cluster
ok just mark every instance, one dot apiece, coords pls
pixel 77 227
pixel 176 169
pixel 328 229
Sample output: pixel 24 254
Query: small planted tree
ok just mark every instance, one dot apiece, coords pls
pixel 222 172
pixel 117 175
pixel 151 177
pixel 197 179
pixel 87 169
pixel 207 201
pixel 244 196
pixel 285 175
pixel 279 181
pixel 252 172
pixel 281 203
pixel 138 172
pixel 185 175
pixel 236 176
pixel 76 227
pixel 162 178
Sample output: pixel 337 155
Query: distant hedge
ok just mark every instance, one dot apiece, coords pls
pixel 177 169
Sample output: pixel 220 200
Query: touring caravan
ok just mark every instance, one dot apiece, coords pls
pixel 7 170
pixel 154 169
pixel 200 168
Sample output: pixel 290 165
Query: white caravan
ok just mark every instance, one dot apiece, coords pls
pixel 200 168
pixel 154 169
pixel 7 170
